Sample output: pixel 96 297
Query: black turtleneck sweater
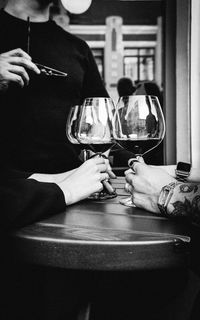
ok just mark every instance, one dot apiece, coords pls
pixel 33 119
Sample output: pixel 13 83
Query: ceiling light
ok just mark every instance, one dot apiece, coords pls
pixel 76 6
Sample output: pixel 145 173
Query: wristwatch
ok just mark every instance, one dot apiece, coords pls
pixel 182 171
pixel 165 197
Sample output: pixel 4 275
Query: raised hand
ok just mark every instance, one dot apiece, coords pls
pixel 14 67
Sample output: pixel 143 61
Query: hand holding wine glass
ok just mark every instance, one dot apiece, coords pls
pixel 139 127
pixel 91 126
pixel 84 181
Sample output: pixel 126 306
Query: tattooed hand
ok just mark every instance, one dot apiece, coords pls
pixel 145 186
pixel 185 202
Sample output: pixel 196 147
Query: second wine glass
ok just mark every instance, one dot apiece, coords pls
pixel 139 127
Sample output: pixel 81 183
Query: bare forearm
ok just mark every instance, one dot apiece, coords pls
pixel 51 178
pixel 193 177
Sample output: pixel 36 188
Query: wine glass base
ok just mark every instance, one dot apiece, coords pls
pixel 102 196
pixel 127 202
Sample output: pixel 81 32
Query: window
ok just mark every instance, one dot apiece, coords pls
pixel 99 58
pixel 139 63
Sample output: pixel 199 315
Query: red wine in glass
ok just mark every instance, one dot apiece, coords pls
pixel 139 126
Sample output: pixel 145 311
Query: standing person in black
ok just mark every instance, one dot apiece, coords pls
pixel 40 171
pixel 34 110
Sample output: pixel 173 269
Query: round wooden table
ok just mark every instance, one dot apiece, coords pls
pixel 104 235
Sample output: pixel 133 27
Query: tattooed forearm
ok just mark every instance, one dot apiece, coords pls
pixel 185 202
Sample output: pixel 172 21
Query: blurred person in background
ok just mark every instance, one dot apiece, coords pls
pixel 155 157
pixel 125 87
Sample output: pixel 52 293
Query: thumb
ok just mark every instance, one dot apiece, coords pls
pixel 140 159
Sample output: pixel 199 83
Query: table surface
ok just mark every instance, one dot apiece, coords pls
pixel 104 235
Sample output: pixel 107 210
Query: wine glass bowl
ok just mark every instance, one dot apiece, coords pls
pixel 139 125
pixel 90 125
pixel 95 124
pixel 71 124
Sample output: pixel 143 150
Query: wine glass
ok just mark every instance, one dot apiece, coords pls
pixel 91 126
pixel 139 127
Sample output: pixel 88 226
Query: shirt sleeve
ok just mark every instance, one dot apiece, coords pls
pixel 24 201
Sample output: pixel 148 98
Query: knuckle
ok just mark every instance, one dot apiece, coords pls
pixel 23 60
pixel 98 176
pixel 106 176
pixel 19 50
pixel 96 168
pixel 19 81
pixel 100 186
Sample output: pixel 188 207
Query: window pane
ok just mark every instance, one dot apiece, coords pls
pixel 146 68
pixel 146 52
pixel 131 52
pixel 131 67
pixel 98 55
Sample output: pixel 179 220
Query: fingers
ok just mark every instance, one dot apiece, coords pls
pixel 137 183
pixel 16 52
pixel 129 188
pixel 111 174
pixel 24 62
pixel 20 58
pixel 138 199
pixel 11 77
pixel 128 171
pixel 147 202
pixel 109 170
pixel 140 159
pixel 22 73
pixel 104 176
pixel 14 65
pixel 103 165
pixel 98 160
pixel 130 178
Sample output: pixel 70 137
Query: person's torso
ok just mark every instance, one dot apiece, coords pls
pixel 33 119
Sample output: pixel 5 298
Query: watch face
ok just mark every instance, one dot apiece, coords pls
pixel 183 166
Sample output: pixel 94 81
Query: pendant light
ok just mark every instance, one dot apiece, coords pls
pixel 76 6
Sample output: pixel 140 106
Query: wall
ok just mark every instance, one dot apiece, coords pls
pixel 195 83
pixel 169 68
pixel 183 112
pixel 133 12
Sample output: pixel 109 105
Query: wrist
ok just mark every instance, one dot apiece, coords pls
pixel 165 196
pixel 67 194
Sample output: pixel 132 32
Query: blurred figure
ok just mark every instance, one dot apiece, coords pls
pixel 151 88
pixel 151 123
pixel 125 87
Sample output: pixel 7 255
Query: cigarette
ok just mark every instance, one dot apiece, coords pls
pixel 108 187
